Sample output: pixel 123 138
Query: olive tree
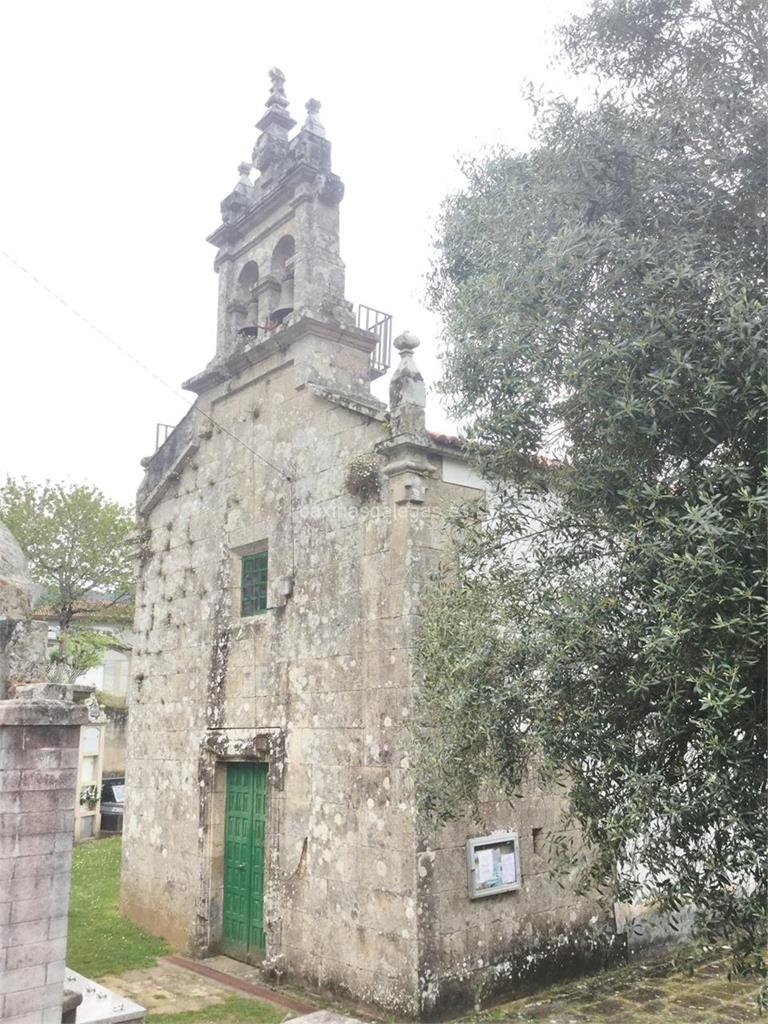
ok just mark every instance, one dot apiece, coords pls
pixel 603 297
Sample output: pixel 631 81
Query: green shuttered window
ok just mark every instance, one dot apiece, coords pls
pixel 253 584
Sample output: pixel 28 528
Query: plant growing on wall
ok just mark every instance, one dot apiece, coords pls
pixel 363 477
pixel 89 796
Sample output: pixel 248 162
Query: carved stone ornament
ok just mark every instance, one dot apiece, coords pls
pixel 268 150
pixel 277 97
pixel 312 124
pixel 244 170
pixel 332 190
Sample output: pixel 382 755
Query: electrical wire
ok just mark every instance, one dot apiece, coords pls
pixel 129 355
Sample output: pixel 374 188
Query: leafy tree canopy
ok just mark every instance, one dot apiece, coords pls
pixel 604 299
pixel 75 539
pixel 81 649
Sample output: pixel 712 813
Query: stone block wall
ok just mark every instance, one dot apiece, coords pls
pixel 22 654
pixel 320 687
pixel 38 768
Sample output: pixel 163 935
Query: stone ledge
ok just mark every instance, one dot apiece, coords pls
pixel 42 712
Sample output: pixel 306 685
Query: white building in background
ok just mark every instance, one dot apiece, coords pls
pixel 102 741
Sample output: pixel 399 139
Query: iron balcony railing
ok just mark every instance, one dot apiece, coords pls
pixel 380 324
pixel 162 432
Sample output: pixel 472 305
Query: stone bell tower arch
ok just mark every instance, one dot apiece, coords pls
pixel 278 245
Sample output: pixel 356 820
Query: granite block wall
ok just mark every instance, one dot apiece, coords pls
pixel 38 769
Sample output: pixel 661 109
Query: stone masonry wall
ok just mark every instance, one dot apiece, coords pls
pixel 358 900
pixel 319 686
pixel 38 767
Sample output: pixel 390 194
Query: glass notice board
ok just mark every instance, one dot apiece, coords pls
pixel 493 864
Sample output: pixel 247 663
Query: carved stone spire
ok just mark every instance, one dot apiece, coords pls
pixel 240 198
pixel 277 97
pixel 407 393
pixel 407 466
pixel 272 144
pixel 312 124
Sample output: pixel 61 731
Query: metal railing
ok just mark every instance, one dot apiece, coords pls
pixel 380 324
pixel 162 432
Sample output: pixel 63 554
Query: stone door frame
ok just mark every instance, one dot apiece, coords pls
pixel 219 748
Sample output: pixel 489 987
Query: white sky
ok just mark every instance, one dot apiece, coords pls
pixel 122 129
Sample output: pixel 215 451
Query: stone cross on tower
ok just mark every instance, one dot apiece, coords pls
pixel 275 125
pixel 277 97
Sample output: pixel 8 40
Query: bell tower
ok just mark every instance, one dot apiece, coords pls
pixel 278 244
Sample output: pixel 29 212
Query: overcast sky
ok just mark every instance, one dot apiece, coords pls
pixel 122 129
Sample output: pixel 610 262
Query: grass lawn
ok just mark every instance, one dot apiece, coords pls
pixel 233 1010
pixel 100 941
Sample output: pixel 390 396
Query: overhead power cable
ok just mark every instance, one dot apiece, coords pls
pixel 129 355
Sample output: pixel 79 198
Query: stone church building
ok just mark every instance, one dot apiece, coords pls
pixel 287 527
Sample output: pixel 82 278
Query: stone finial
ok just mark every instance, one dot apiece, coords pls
pixel 238 200
pixel 406 342
pixel 244 185
pixel 407 393
pixel 312 124
pixel 407 467
pixel 272 145
pixel 277 97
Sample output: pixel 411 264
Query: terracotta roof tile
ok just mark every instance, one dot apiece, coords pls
pixel 446 440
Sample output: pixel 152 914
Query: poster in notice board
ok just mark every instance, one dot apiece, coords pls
pixel 493 864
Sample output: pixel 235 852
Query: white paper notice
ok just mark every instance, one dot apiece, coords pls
pixel 508 869
pixel 484 866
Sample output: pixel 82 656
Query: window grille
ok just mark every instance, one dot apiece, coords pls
pixel 253 584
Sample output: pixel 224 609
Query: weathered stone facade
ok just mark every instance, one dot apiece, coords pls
pixel 286 451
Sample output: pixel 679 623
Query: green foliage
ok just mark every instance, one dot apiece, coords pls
pixel 471 708
pixel 79 651
pixel 604 300
pixel 89 796
pixel 75 539
pixel 99 940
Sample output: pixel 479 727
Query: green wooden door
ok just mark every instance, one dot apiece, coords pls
pixel 244 844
